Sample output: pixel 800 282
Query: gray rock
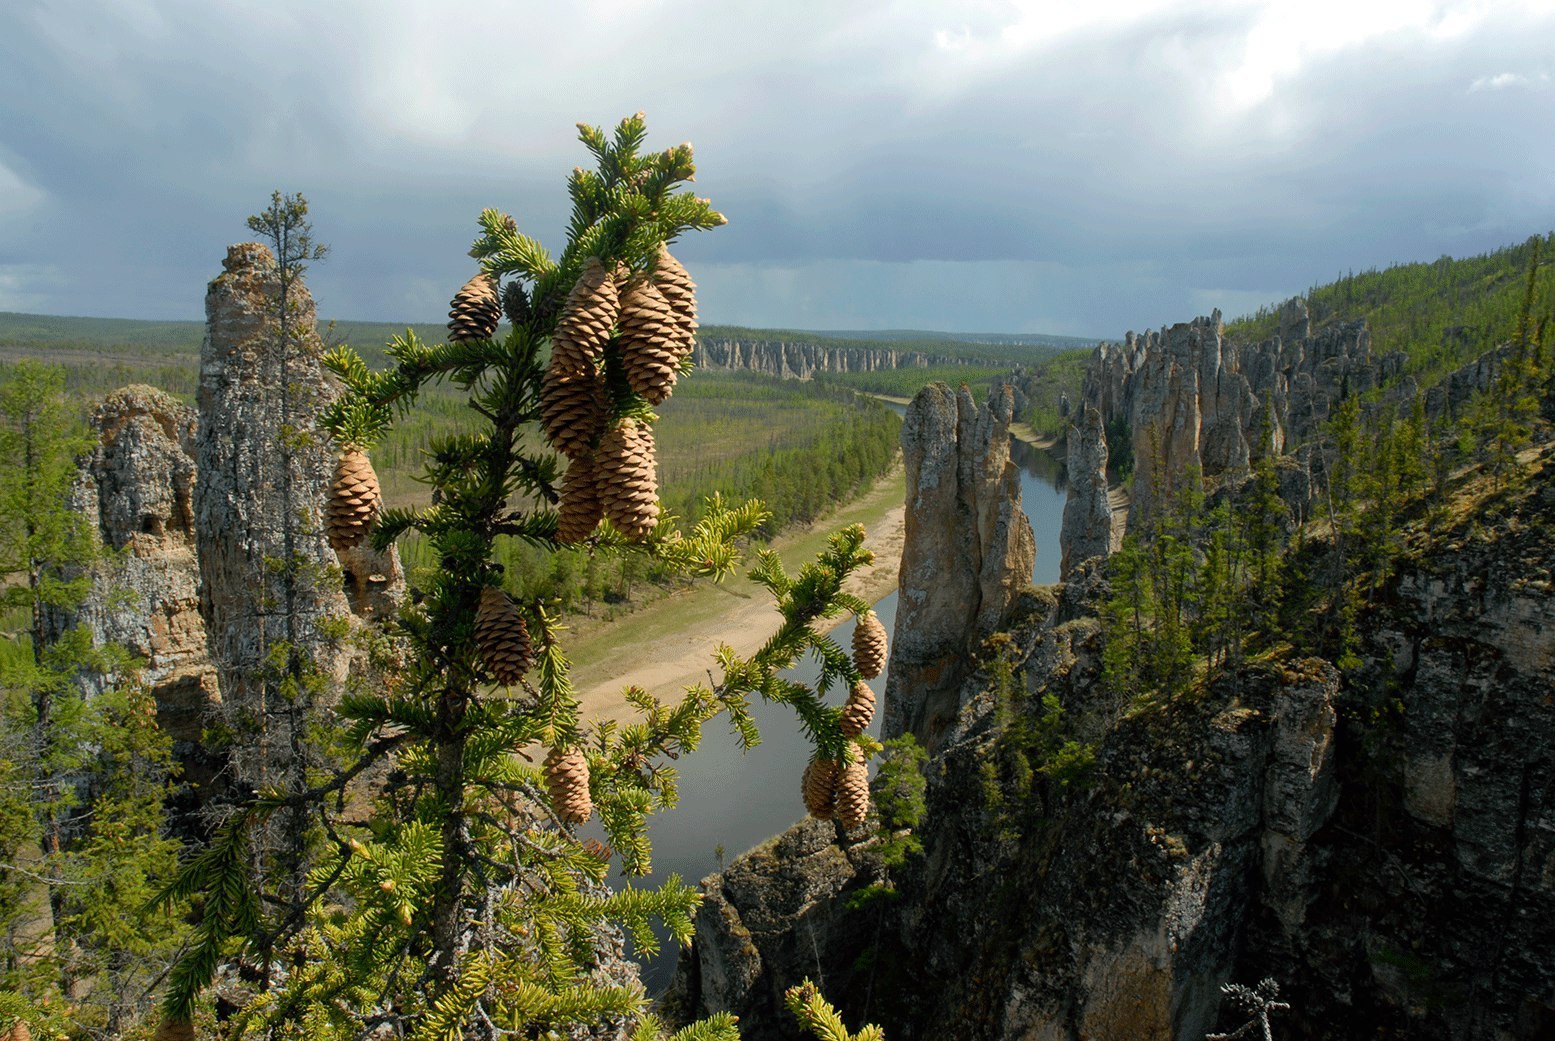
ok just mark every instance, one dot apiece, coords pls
pixel 969 550
pixel 1087 524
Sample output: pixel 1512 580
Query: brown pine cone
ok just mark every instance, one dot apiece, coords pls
pixel 174 1030
pixel 572 411
pixel 869 645
pixel 354 499
pixel 567 777
pixel 580 507
pixel 475 310
pixel 627 479
pixel 650 337
pixel 585 322
pixel 680 293
pixel 858 710
pixel 502 637
pixel 853 791
pixel 19 1031
pixel 819 788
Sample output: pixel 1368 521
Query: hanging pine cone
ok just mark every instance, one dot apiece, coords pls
pixel 650 340
pixel 572 411
pixel 515 303
pixel 474 311
pixel 567 777
pixel 680 293
pixel 869 645
pixel 502 637
pixel 585 322
pixel 819 788
pixel 627 479
pixel 174 1030
pixel 19 1031
pixel 858 710
pixel 580 507
pixel 352 509
pixel 853 791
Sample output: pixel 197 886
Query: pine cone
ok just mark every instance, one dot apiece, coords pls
pixel 354 500
pixel 680 293
pixel 869 645
pixel 567 777
pixel 174 1030
pixel 580 506
pixel 19 1031
pixel 853 791
pixel 585 322
pixel 627 481
pixel 502 637
pixel 858 710
pixel 819 788
pixel 572 411
pixel 650 338
pixel 515 303
pixel 474 311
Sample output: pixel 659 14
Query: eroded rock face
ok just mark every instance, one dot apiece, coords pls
pixel 267 573
pixel 969 550
pixel 1382 843
pixel 1087 525
pixel 138 485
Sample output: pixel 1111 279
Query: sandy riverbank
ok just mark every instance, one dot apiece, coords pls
pixel 669 644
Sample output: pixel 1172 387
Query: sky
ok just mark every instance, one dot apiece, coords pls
pixel 1077 168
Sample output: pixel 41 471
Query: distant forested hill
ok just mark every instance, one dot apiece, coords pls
pixel 1441 314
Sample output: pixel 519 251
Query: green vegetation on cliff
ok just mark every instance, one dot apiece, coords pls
pixel 1442 314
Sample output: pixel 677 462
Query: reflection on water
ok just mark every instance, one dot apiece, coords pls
pixel 735 801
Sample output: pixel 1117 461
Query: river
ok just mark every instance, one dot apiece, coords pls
pixel 731 802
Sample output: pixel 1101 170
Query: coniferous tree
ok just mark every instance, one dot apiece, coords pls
pixel 84 778
pixel 451 896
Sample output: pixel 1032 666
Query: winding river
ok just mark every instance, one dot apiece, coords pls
pixel 731 802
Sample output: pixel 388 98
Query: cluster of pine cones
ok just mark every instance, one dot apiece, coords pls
pixel 651 320
pixel 840 789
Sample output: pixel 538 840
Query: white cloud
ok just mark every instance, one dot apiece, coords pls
pixel 1505 80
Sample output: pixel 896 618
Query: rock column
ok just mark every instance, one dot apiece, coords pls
pixel 969 549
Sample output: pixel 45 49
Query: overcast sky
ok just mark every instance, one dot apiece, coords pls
pixel 1075 167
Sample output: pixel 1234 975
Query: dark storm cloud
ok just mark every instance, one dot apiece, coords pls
pixel 984 166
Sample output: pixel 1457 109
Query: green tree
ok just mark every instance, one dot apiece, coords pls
pixel 84 777
pixel 451 897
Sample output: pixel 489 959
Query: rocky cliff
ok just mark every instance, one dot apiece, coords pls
pixel 1381 842
pixel 206 507
pixel 969 548
pixel 138 485
pixel 798 360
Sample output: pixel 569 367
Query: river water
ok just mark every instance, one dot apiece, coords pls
pixel 730 802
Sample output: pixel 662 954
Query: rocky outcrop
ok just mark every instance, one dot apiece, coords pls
pixel 791 359
pixel 1379 842
pixel 138 486
pixel 969 549
pixel 267 573
pixel 1195 401
pixel 1087 524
